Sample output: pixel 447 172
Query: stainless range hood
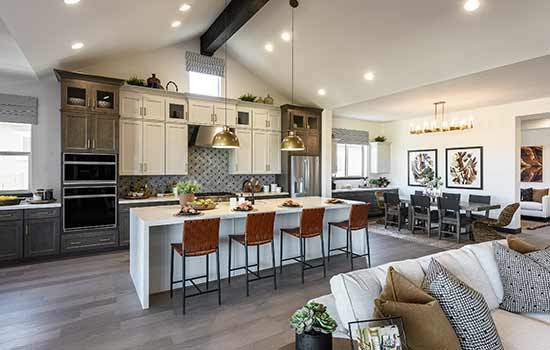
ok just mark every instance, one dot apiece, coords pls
pixel 202 136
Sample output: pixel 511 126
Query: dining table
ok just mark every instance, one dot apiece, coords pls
pixel 467 207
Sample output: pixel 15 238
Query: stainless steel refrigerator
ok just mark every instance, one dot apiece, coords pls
pixel 305 176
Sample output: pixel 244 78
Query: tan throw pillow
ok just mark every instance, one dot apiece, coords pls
pixel 538 194
pixel 521 246
pixel 426 326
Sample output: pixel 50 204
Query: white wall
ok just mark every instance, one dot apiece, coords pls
pixel 46 139
pixel 538 137
pixel 496 129
pixel 169 64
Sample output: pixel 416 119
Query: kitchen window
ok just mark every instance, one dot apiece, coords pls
pixel 351 160
pixel 15 157
pixel 205 84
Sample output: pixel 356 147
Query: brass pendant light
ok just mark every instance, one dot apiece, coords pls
pixel 225 139
pixel 292 142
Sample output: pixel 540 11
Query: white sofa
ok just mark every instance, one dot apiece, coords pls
pixel 353 294
pixel 536 209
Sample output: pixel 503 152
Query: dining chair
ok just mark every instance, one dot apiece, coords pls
pixel 487 229
pixel 422 215
pixel 451 195
pixel 474 198
pixel 418 193
pixel 450 216
pixel 395 213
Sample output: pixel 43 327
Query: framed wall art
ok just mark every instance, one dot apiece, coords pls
pixel 422 166
pixel 531 163
pixel 464 167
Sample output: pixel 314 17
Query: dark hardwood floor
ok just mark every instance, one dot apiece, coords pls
pixel 89 303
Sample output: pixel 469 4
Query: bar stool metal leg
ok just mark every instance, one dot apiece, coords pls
pixel 219 277
pixel 303 256
pixel 171 272
pixel 281 255
pixel 274 266
pixel 350 233
pixel 183 281
pixel 207 270
pixel 258 259
pixel 323 255
pixel 246 268
pixel 229 264
pixel 368 245
pixel 329 234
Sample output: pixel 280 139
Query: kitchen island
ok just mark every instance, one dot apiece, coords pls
pixel 152 229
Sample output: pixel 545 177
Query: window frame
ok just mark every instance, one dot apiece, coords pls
pixel 219 83
pixel 365 159
pixel 29 156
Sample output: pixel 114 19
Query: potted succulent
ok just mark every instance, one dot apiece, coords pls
pixel 313 326
pixel 186 191
pixel 380 139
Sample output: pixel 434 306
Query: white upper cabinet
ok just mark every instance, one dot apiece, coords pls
pixel 274 121
pixel 225 113
pixel 131 147
pixel 153 148
pixel 244 117
pixel 240 159
pixel 153 107
pixel 176 111
pixel 274 153
pixel 201 112
pixel 137 106
pixel 260 118
pixel 380 157
pixel 130 105
pixel 259 152
pixel 176 149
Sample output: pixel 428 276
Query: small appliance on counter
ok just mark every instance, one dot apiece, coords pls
pixel 42 196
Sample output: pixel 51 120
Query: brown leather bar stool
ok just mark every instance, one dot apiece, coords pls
pixel 200 238
pixel 358 220
pixel 311 225
pixel 259 231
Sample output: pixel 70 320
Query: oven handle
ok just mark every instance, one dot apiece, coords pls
pixel 92 196
pixel 91 163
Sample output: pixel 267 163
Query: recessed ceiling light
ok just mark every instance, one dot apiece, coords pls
pixel 285 36
pixel 369 76
pixel 322 92
pixel 72 2
pixel 471 5
pixel 185 7
pixel 268 47
pixel 176 24
pixel 77 46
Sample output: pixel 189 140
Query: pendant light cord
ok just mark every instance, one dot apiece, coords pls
pixel 225 63
pixel 292 54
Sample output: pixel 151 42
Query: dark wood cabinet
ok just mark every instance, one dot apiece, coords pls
pixel 41 237
pixel 104 130
pixel 89 240
pixel 75 131
pixel 306 123
pixel 124 227
pixel 11 240
pixel 312 142
pixel 86 132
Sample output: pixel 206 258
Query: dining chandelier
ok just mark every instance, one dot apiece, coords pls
pixel 440 124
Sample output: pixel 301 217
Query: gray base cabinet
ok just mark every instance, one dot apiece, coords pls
pixel 11 240
pixel 41 237
pixel 124 219
pixel 89 240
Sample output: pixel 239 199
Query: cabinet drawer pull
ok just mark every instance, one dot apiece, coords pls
pixel 93 144
pixel 105 240
pixel 144 111
pixel 27 230
pixel 75 243
pixel 6 216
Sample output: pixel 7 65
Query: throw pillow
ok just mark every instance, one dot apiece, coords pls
pixel 525 279
pixel 520 246
pixel 538 194
pixel 526 194
pixel 465 308
pixel 426 325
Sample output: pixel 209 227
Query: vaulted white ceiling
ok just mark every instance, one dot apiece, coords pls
pixel 420 51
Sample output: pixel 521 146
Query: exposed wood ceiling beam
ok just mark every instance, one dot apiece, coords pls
pixel 232 18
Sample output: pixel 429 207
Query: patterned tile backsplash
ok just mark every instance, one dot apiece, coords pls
pixel 207 166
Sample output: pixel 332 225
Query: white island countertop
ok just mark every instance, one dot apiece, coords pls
pixel 363 189
pixel 154 200
pixel 164 215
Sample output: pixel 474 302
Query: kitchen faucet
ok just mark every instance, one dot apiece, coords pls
pixel 250 182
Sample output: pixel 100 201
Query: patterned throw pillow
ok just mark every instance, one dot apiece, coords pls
pixel 525 278
pixel 465 308
pixel 526 194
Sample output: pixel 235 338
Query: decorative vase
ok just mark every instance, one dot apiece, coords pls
pixel 313 341
pixel 186 198
pixel 154 82
pixel 268 100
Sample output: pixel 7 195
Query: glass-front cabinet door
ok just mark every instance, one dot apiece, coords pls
pixel 176 111
pixel 76 95
pixel 297 120
pixel 244 117
pixel 105 99
pixel 312 122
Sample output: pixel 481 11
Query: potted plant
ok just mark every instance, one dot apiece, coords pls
pixel 248 97
pixel 313 326
pixel 135 81
pixel 381 182
pixel 186 191
pixel 380 139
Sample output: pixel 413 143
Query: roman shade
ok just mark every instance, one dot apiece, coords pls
pixel 18 109
pixel 195 62
pixel 350 137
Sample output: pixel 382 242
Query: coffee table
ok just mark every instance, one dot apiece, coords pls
pixel 337 344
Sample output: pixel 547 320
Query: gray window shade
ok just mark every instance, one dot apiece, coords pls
pixel 350 137
pixel 196 62
pixel 18 109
